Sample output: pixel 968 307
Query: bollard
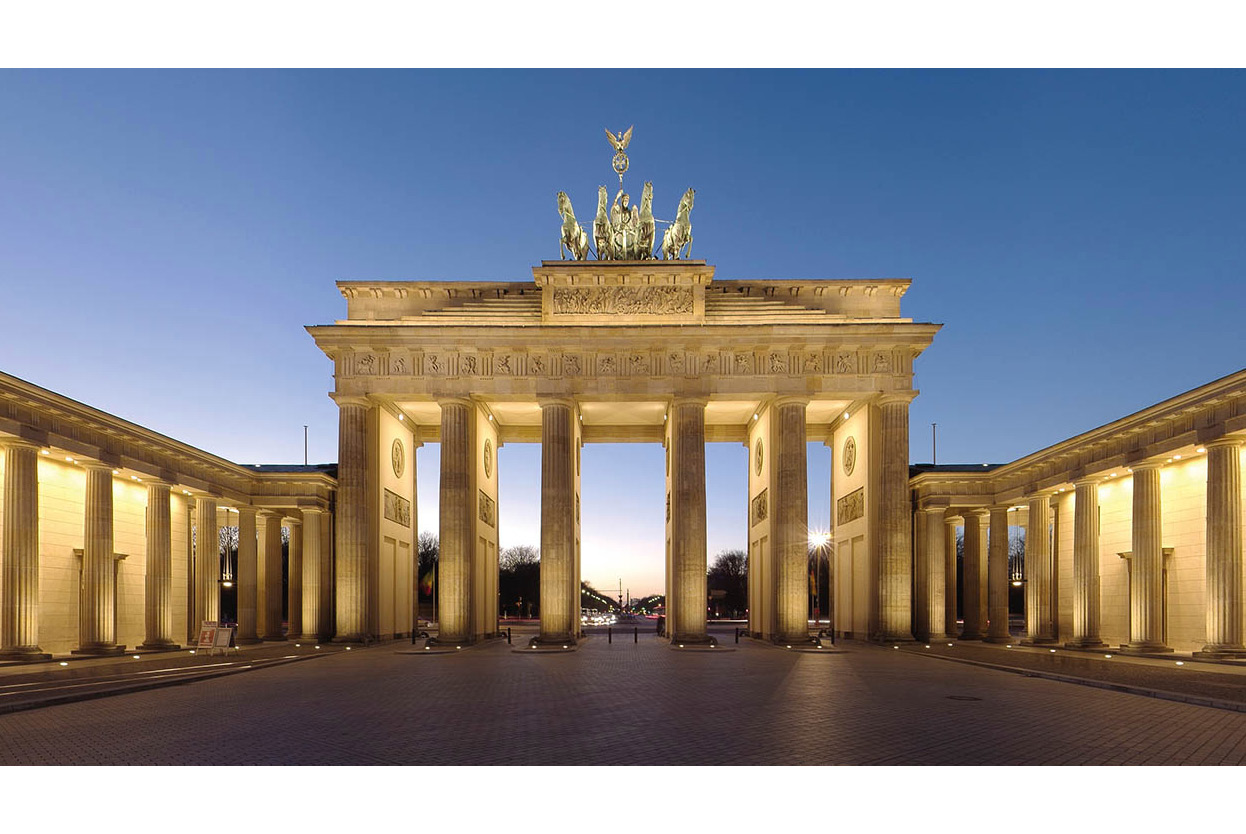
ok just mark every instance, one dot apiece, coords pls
pixel 635 634
pixel 508 635
pixel 609 634
pixel 737 634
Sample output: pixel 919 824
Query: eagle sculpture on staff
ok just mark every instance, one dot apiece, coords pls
pixel 620 142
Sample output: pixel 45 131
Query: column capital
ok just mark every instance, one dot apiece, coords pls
pixel 314 510
pixel 95 465
pixel 977 512
pixel 896 397
pixel 789 400
pixel 12 441
pixel 927 508
pixel 689 400
pixel 343 400
pixel 1227 441
pixel 1147 465
pixel 246 508
pixel 1087 480
pixel 269 514
pixel 569 402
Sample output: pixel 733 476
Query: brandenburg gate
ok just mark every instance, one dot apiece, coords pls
pixel 625 348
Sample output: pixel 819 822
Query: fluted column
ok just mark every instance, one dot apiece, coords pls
pixel 19 554
pixel 688 545
pixel 1039 612
pixel 269 584
pixel 1146 584
pixel 790 520
pixel 558 619
pixel 1085 564
pixel 294 580
pixel 457 508
pixel 97 619
pixel 921 575
pixel 971 582
pixel 998 577
pixel 949 575
pixel 207 560
pixel 158 587
pixel 247 578
pixel 895 575
pixel 311 572
pixel 1224 549
pixel 351 567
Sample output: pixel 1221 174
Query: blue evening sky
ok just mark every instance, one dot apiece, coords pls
pixel 165 236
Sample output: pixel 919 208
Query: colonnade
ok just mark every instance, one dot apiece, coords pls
pixel 983 619
pixel 259 580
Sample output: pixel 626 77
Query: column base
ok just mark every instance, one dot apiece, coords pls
pixel 313 638
pixel 158 647
pixel 1210 652
pixel 971 635
pixel 993 638
pixel 1144 648
pixel 699 641
pixel 29 654
pixel 100 651
pixel 1086 643
pixel 796 642
pixel 553 643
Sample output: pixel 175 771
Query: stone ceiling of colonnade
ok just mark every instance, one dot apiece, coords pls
pixel 623 339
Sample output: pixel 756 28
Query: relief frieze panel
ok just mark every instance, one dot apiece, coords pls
pixel 850 507
pixel 397 508
pixel 622 301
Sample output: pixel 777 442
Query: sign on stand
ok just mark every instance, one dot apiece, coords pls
pixel 214 636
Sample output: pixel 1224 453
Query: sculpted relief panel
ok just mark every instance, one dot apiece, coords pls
pixel 622 301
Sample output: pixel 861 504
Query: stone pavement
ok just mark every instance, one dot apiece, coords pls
pixel 626 703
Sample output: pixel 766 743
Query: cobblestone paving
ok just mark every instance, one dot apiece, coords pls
pixel 625 704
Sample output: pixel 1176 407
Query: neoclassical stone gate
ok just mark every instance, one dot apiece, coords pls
pixel 623 351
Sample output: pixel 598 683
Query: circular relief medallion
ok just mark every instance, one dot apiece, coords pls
pixel 758 457
pixel 850 455
pixel 398 456
pixel 488 458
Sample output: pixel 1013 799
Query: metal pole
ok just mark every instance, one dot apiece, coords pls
pixel 934 444
pixel 304 445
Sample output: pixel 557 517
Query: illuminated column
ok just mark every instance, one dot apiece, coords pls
pixel 1039 614
pixel 998 577
pixel 351 566
pixel 971 582
pixel 790 520
pixel 311 572
pixel 207 560
pixel 933 567
pixel 97 633
pixel 159 583
pixel 558 619
pixel 921 575
pixel 896 574
pixel 1224 549
pixel 19 554
pixel 294 581
pixel 949 575
pixel 269 585
pixel 247 578
pixel 454 570
pixel 1085 564
pixel 1146 588
pixel 688 547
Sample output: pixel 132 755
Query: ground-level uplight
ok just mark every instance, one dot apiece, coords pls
pixel 63 663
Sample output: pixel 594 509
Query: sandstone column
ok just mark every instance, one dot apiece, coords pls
pixel 248 578
pixel 1039 613
pixel 97 628
pixel 688 546
pixel 269 585
pixel 311 572
pixel 895 575
pixel 1085 564
pixel 559 621
pixel 294 580
pixel 159 583
pixel 949 575
pixel 351 569
pixel 971 582
pixel 921 575
pixel 790 521
pixel 1224 549
pixel 457 509
pixel 937 595
pixel 207 560
pixel 998 577
pixel 19 554
pixel 1146 585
